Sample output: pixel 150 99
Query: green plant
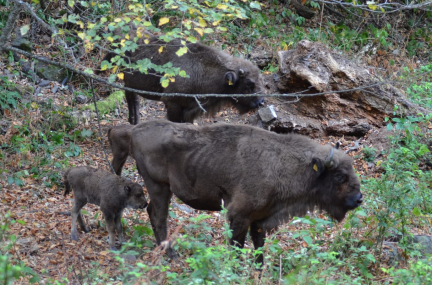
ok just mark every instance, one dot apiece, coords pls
pixel 9 98
pixel 369 153
pixel 11 269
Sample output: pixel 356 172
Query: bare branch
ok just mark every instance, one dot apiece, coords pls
pixel 96 78
pixel 13 16
pixel 386 7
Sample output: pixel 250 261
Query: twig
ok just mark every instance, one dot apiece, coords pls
pixel 100 130
pixel 5 36
pixel 199 104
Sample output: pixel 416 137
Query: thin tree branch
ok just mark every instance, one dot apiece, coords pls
pixel 96 78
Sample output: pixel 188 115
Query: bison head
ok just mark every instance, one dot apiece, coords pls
pixel 337 186
pixel 245 80
pixel 135 196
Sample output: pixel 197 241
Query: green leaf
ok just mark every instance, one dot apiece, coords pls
pixel 84 212
pixel 308 240
pixel 21 222
pixel 181 51
pixel 182 73
pixel 416 212
pixel 255 5
pixel 165 82
pixel 71 3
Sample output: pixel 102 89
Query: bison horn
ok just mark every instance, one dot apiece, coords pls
pixel 329 160
pixel 241 72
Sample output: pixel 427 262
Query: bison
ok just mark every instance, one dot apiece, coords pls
pixel 209 70
pixel 119 138
pixel 261 177
pixel 112 193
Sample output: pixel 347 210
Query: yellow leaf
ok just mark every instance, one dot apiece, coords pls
pixel 122 42
pixel 120 76
pixel 215 23
pixel 222 6
pixel 114 69
pixel 199 31
pixel 202 22
pixel 163 21
pixel 81 24
pixel 81 35
pixel 161 49
pixel 127 36
pixel 146 42
pixel 172 79
pixel 117 20
pixel 110 39
pixel 93 3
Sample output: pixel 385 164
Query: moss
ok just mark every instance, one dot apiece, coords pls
pixel 108 105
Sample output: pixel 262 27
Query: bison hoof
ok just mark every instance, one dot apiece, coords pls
pixel 171 253
pixel 74 236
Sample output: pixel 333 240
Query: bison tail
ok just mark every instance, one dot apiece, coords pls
pixel 66 183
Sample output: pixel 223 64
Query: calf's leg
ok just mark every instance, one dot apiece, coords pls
pixel 110 225
pixel 76 214
pixel 119 227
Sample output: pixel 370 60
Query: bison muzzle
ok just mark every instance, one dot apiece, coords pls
pixel 209 70
pixel 263 178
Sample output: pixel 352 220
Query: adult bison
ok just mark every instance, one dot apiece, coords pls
pixel 263 178
pixel 210 71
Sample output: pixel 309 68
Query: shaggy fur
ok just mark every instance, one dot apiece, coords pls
pixel 112 193
pixel 263 178
pixel 210 70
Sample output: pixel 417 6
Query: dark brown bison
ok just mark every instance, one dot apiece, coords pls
pixel 263 178
pixel 112 193
pixel 210 71
pixel 119 138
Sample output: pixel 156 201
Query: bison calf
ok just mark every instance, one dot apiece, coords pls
pixel 119 138
pixel 262 177
pixel 112 193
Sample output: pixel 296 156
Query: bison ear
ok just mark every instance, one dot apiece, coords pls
pixel 318 166
pixel 230 78
pixel 127 189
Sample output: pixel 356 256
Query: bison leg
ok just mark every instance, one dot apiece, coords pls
pixel 119 227
pixel 133 105
pixel 158 211
pixel 257 234
pixel 175 112
pixel 75 213
pixel 110 225
pixel 239 229
pixel 118 161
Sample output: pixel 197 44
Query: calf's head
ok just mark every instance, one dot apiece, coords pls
pixel 135 198
pixel 337 186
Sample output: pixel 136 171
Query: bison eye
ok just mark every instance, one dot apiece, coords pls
pixel 340 178
pixel 241 72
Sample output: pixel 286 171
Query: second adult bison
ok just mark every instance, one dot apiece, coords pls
pixel 210 71
pixel 263 178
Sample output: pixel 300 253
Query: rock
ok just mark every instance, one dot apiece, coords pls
pixel 347 128
pixel 4 126
pixel 81 99
pixel 267 114
pixel 423 244
pixel 391 254
pixel 24 90
pixel 55 88
pixel 262 58
pixel 183 208
pixel 22 43
pixel 44 83
pixel 50 72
